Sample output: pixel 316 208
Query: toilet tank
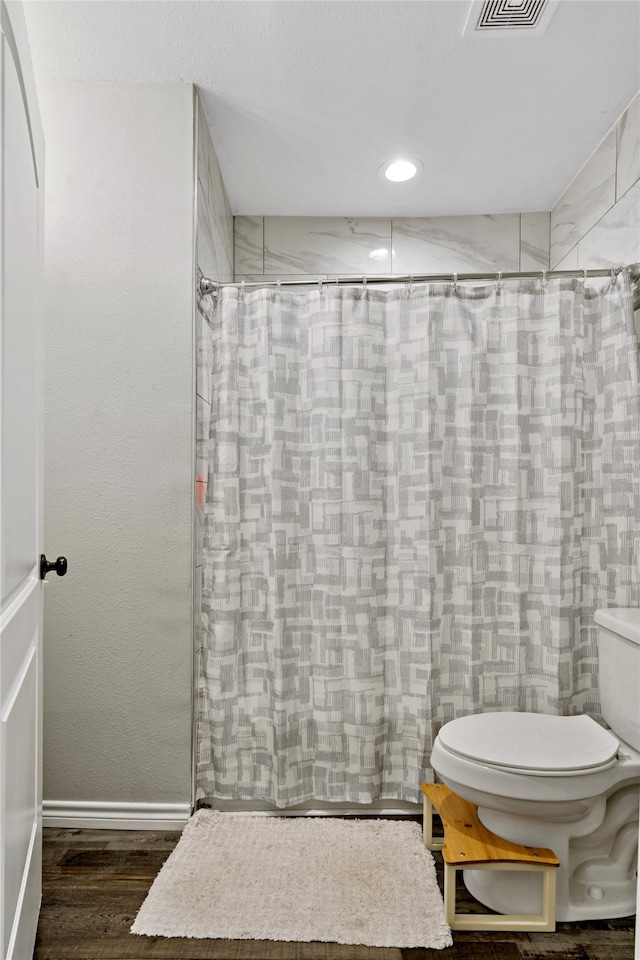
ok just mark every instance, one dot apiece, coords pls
pixel 619 671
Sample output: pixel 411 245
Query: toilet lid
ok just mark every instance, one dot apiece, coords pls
pixel 530 741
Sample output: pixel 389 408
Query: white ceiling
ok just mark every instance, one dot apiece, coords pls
pixel 306 99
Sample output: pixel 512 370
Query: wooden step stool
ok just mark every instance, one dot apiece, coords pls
pixel 469 845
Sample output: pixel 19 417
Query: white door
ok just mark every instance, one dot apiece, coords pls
pixel 21 408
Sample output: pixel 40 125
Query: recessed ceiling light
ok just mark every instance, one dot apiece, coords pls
pixel 400 170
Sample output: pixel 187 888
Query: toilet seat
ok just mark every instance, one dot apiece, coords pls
pixel 533 744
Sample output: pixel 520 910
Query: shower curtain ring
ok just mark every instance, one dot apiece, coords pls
pixel 454 282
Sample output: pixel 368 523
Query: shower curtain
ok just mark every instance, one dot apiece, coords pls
pixel 416 500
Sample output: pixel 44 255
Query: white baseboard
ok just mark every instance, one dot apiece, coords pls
pixel 94 815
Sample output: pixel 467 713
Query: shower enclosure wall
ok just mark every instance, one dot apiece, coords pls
pixel 580 232
pixel 213 258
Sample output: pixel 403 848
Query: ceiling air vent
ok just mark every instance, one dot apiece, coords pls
pixel 506 17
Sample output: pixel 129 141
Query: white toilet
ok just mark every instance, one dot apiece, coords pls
pixel 560 782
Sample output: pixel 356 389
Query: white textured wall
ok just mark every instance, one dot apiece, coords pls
pixel 119 440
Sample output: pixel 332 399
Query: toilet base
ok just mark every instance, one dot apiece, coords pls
pixel 597 852
pixel 509 893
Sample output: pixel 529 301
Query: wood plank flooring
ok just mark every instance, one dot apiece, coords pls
pixel 94 882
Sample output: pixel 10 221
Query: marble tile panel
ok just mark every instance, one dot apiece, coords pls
pixel 628 156
pixel 227 274
pixel 212 183
pixel 209 246
pixel 219 202
pixel 456 244
pixel 213 258
pixel 534 241
pixel 570 262
pixel 585 200
pixel 207 256
pixel 248 237
pixel 203 156
pixel 615 239
pixel 225 228
pixel 332 245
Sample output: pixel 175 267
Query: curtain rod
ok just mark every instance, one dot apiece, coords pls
pixel 212 286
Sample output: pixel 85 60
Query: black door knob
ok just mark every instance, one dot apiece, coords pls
pixel 60 566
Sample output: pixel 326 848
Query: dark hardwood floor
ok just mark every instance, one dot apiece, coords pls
pixel 95 882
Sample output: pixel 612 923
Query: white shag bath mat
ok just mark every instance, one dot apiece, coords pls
pixel 369 882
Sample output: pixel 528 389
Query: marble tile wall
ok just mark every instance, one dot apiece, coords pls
pixel 214 259
pixel 214 244
pixel 596 221
pixel 295 247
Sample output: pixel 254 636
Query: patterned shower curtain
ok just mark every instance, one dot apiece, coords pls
pixel 416 501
